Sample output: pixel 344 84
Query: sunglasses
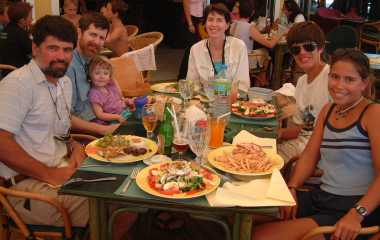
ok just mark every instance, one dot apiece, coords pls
pixel 308 47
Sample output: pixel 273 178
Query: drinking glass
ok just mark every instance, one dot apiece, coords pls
pixel 149 119
pixel 185 88
pixel 180 141
pixel 199 136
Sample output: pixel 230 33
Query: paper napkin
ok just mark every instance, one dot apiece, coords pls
pixel 266 192
pixel 247 137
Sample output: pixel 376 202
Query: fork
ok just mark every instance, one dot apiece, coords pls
pixel 134 173
pixel 76 180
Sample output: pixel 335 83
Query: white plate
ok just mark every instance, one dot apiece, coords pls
pixel 156 159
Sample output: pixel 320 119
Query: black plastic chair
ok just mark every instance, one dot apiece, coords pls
pixel 342 36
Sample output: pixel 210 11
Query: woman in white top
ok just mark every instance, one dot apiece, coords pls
pixel 293 12
pixel 209 56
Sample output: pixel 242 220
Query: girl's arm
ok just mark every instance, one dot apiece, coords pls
pixel 310 156
pixel 100 114
pixel 262 39
pixel 349 225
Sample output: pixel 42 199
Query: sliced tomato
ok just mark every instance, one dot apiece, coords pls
pixel 207 174
pixel 170 191
pixel 192 192
pixel 91 149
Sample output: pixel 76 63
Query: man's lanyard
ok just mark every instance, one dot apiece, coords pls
pixel 209 53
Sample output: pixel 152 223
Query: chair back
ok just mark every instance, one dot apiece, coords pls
pixel 259 61
pixel 330 229
pixel 129 78
pixel 132 30
pixel 5 69
pixel 342 36
pixel 144 39
pixel 21 226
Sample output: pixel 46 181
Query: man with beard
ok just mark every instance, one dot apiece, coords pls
pixel 92 32
pixel 35 105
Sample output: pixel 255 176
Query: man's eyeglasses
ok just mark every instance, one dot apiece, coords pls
pixel 308 46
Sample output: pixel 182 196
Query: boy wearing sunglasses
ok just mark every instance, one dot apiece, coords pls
pixel 306 42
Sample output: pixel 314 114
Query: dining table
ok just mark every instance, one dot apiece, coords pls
pixel 105 195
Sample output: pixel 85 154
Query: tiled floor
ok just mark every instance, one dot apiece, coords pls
pixel 168 61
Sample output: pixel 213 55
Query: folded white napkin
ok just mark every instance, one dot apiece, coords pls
pixel 144 58
pixel 247 137
pixel 287 89
pixel 265 192
pixel 194 113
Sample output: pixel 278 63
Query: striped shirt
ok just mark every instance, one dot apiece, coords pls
pixel 346 159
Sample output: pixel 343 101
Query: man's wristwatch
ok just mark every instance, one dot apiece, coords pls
pixel 362 211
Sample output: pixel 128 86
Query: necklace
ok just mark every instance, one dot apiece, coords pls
pixel 209 53
pixel 63 137
pixel 342 113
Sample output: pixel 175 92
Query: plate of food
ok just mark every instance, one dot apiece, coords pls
pixel 245 159
pixel 177 180
pixel 121 148
pixel 171 87
pixel 254 109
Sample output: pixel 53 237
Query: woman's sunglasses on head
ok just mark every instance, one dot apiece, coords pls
pixel 308 47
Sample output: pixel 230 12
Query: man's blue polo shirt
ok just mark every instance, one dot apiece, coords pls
pixel 77 72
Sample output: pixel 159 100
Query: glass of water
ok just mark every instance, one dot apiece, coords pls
pixel 185 88
pixel 199 136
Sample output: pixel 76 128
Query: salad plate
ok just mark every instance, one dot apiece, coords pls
pixel 177 180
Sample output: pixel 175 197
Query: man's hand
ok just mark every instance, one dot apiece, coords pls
pixel 77 154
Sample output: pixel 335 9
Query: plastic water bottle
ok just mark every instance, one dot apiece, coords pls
pixel 222 90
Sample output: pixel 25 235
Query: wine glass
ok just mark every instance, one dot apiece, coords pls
pixel 185 88
pixel 180 141
pixel 199 136
pixel 149 119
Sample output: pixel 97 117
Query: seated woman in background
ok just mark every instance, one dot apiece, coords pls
pixel 306 42
pixel 70 10
pixel 248 32
pixel 117 38
pixel 219 51
pixel 344 145
pixel 293 12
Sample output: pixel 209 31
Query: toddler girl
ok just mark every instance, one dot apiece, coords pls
pixel 105 95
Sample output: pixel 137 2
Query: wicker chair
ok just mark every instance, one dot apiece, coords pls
pixel 370 35
pixel 259 63
pixel 144 39
pixel 5 69
pixel 331 229
pixel 11 221
pixel 132 30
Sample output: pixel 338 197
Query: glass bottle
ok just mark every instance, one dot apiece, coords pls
pixel 166 130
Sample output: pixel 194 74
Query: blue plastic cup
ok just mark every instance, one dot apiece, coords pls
pixel 139 103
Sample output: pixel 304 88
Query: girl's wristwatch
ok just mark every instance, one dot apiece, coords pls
pixel 362 211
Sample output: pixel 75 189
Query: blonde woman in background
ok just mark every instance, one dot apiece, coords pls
pixel 70 11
